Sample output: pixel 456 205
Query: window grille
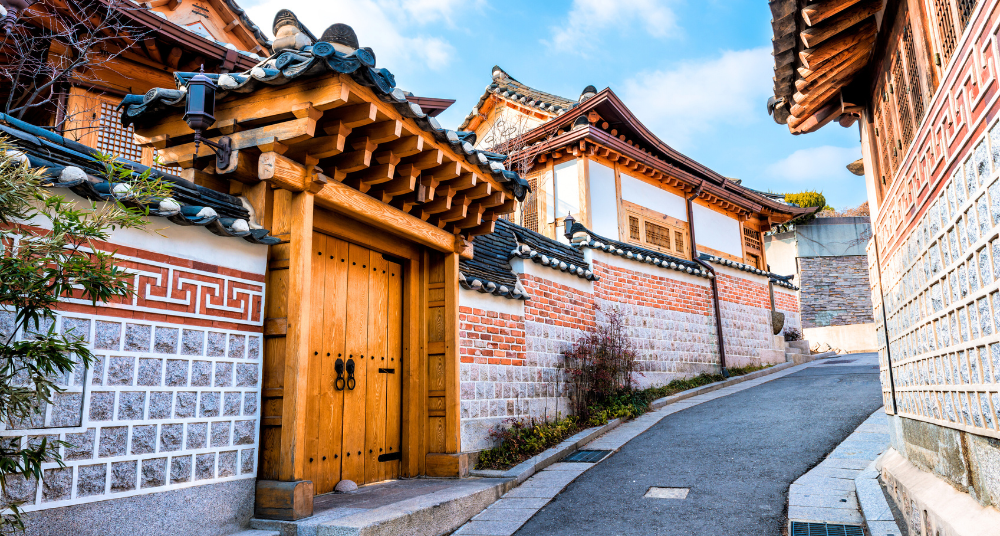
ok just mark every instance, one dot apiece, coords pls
pixel 114 139
pixel 900 90
pixel 965 9
pixel 679 241
pixel 657 235
pixel 529 214
pixel 916 93
pixel 633 227
pixel 751 238
pixel 946 29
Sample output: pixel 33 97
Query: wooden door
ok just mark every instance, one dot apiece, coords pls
pixel 354 414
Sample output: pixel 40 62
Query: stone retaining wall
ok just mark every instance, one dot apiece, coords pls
pixel 835 291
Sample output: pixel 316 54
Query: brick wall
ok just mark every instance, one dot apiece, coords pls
pixel 835 291
pixel 171 400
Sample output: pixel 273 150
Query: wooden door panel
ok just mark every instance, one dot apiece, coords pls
pixel 375 407
pixel 353 462
pixel 334 342
pixel 314 387
pixel 394 355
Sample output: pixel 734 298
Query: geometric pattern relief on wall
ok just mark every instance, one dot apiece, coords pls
pixel 189 292
pixel 163 406
pixel 943 302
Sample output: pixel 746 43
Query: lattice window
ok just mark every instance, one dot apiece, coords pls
pixel 899 88
pixel 116 140
pixel 650 229
pixel 946 29
pixel 965 9
pixel 751 239
pixel 658 235
pixel 529 215
pixel 916 93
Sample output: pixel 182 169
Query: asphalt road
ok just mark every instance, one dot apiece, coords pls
pixel 738 454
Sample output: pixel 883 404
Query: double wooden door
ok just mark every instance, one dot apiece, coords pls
pixel 354 402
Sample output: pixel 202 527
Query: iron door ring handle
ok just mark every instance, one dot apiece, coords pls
pixel 339 383
pixel 351 382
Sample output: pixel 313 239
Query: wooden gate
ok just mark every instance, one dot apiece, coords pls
pixel 354 393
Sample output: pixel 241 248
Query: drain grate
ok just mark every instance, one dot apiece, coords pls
pixel 587 456
pixel 824 529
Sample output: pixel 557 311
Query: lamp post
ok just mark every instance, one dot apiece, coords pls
pixel 199 114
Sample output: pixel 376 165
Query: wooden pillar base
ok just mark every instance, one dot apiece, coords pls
pixel 285 501
pixel 454 465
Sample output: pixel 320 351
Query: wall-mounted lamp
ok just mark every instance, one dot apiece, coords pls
pixel 199 114
pixel 568 226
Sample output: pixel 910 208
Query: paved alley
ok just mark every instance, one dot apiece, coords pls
pixel 737 454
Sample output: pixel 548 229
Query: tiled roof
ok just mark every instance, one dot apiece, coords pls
pixel 507 87
pixel 73 165
pixel 589 239
pixel 489 270
pixel 318 59
pixel 780 280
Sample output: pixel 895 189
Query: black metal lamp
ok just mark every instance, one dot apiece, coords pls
pixel 199 114
pixel 568 226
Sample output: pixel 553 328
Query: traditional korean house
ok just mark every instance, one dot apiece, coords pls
pixel 615 218
pixel 919 78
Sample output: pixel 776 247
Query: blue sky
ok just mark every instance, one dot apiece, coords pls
pixel 696 72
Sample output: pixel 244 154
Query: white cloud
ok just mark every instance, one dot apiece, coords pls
pixel 589 19
pixel 387 26
pixel 816 164
pixel 702 95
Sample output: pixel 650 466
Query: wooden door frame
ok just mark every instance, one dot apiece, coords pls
pixel 413 396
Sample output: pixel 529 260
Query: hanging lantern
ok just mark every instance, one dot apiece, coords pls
pixel 199 114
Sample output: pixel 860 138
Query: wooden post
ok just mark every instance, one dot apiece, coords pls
pixel 452 387
pixel 293 462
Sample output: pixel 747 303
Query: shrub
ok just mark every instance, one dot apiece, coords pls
pixel 601 365
pixel 792 334
pixel 517 440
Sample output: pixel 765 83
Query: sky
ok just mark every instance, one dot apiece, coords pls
pixel 695 72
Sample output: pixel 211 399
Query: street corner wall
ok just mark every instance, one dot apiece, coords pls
pixel 835 291
pixel 669 316
pixel 746 315
pixel 169 405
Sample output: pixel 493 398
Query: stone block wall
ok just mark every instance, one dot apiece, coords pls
pixel 512 364
pixel 172 398
pixel 835 291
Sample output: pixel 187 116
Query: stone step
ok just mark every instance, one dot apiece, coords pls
pixel 256 532
pixel 790 351
pixel 770 357
pixel 801 345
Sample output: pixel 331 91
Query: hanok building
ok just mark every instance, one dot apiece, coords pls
pixel 919 77
pixel 672 243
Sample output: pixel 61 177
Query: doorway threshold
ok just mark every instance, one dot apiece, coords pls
pixel 418 506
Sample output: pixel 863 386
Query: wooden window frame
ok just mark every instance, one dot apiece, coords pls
pixel 644 215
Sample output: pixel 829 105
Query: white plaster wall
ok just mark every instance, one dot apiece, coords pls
pixel 647 195
pixel 852 338
pixel 603 200
pixel 717 231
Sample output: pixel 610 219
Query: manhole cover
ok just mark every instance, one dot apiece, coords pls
pixel 824 529
pixel 835 361
pixel 586 456
pixel 666 493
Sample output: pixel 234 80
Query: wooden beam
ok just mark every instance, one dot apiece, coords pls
pixel 445 172
pixel 381 132
pixel 363 180
pixel 863 33
pixel 840 22
pixel 321 94
pixel 352 203
pixel 293 463
pixel 287 174
pixel 403 147
pixel 174 57
pixel 836 76
pixel 152 49
pixel 356 115
pixel 819 11
pixel 426 160
pixel 402 183
pixel 287 133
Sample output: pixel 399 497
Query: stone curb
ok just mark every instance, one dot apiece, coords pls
pixel 660 402
pixel 874 508
pixel 529 467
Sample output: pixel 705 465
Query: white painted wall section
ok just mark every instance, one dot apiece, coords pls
pixel 717 231
pixel 647 195
pixel 603 200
